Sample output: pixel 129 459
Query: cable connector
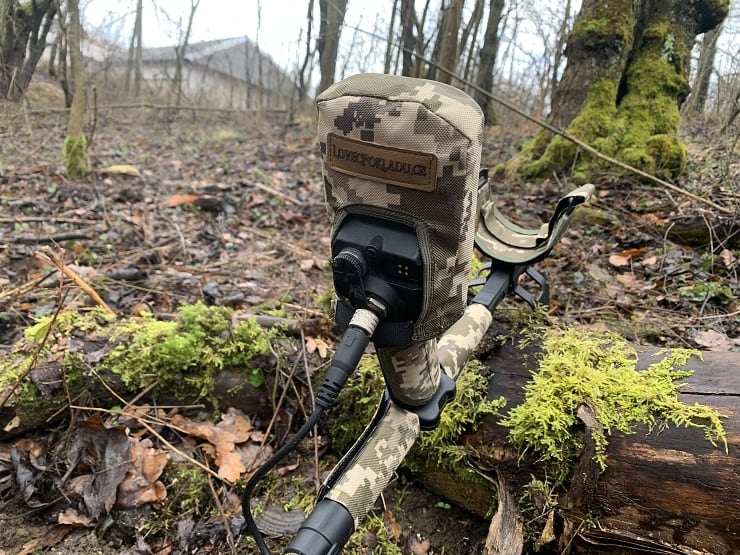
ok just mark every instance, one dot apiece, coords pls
pixel 347 356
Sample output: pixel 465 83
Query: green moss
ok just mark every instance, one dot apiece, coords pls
pixel 375 527
pixel 466 410
pixel 607 26
pixel 362 393
pixel 75 156
pixel 360 398
pixel 182 356
pixel 191 350
pixel 632 117
pixel 599 370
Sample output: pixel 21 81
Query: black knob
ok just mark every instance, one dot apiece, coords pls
pixel 349 265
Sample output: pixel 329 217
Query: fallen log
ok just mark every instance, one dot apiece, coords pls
pixel 668 492
pixel 73 365
pixel 671 492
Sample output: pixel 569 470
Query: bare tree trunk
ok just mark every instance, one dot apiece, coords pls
pixel 389 44
pixel 181 51
pixel 75 144
pixel 733 113
pixel 560 42
pixel 260 76
pixel 330 28
pixel 488 54
pixel 133 69
pixel 450 46
pixel 408 23
pixel 58 58
pixel 698 99
pixel 421 46
pixel 23 30
pixel 302 82
pixel 471 32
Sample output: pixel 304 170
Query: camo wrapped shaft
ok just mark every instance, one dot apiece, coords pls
pixel 458 343
pixel 359 487
pixel 411 371
pixel 408 150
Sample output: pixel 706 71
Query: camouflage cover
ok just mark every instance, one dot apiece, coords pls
pixel 459 342
pixel 408 150
pixel 501 239
pixel 376 463
pixel 411 371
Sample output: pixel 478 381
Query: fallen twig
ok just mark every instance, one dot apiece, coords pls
pixel 52 257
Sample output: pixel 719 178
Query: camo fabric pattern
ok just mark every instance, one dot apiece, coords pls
pixel 434 120
pixel 359 487
pixel 458 343
pixel 500 239
pixel 411 372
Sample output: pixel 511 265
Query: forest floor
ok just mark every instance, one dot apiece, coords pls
pixel 229 211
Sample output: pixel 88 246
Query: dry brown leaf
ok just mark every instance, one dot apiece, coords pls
pixel 71 517
pixel 619 260
pixel 729 259
pixel 714 340
pixel 417 546
pixel 316 344
pixel 598 273
pixel 252 456
pixel 392 524
pixel 52 537
pixel 628 280
pixel 650 260
pixel 141 484
pixel 236 424
pixel 230 465
pixel 177 200
pixel 233 429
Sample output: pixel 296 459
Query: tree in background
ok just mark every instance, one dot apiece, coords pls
pixel 23 30
pixel 133 68
pixel 303 73
pixel 408 24
pixel 181 50
pixel 75 143
pixel 625 79
pixel 488 54
pixel 449 45
pixel 707 52
pixel 332 17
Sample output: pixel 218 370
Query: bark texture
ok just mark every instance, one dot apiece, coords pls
pixel 488 53
pixel 665 491
pixel 624 82
pixel 330 28
pixel 24 27
pixel 75 144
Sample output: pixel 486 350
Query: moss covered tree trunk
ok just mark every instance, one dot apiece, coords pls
pixel 24 27
pixel 625 79
pixel 75 143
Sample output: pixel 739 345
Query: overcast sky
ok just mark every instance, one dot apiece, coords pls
pixel 281 24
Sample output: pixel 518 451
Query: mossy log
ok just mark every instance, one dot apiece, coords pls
pixel 672 492
pixel 200 356
pixel 669 492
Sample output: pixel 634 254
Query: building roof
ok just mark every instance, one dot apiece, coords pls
pixel 237 57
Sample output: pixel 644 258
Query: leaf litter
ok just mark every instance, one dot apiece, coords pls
pixel 237 219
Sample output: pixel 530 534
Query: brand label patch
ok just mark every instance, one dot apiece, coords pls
pixel 406 168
